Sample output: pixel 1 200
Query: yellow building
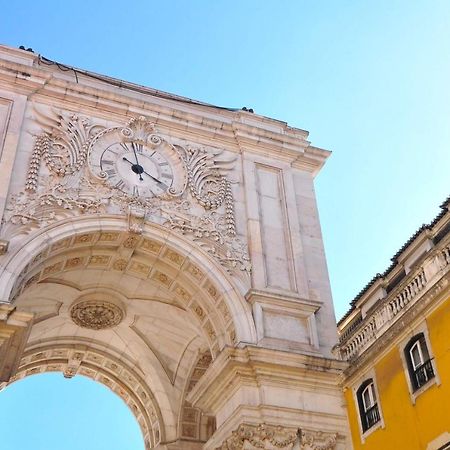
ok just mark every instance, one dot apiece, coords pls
pixel 396 338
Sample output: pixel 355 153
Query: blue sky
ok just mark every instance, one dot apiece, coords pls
pixel 50 412
pixel 368 79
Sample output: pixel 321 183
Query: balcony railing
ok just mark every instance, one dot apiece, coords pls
pixel 360 336
pixel 423 374
pixel 370 417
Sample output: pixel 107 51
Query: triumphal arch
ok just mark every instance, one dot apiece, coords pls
pixel 170 250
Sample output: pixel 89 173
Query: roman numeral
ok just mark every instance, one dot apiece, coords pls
pixel 108 162
pixel 166 175
pixel 137 147
pixel 165 163
pixel 110 172
pixel 120 184
pixel 135 191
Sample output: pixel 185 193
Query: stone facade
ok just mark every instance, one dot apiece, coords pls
pixel 170 250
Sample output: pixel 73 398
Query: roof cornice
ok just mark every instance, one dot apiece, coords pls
pixel 112 98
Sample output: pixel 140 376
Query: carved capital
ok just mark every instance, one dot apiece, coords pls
pixel 317 440
pixel 260 436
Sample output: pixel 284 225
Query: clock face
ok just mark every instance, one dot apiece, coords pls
pixel 134 168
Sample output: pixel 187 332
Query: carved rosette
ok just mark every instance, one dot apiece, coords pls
pixel 96 314
pixel 261 436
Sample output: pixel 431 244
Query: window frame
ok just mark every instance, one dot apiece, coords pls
pixel 360 382
pixel 419 333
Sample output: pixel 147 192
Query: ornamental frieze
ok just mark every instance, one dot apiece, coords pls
pixel 261 436
pixel 274 437
pixel 79 167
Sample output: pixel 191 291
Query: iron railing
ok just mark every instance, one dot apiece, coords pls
pixel 423 374
pixel 370 417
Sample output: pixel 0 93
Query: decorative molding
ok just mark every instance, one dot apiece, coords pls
pixel 271 437
pixel 96 314
pixel 3 246
pixel 261 436
pixel 124 380
pixel 356 340
pixel 126 253
pixel 6 106
pixel 60 184
pixel 390 334
pixel 63 145
pixel 317 440
pixel 193 423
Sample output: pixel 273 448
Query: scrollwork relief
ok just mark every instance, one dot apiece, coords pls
pixel 211 232
pixel 60 184
pixel 260 437
pixel 317 440
pixel 63 145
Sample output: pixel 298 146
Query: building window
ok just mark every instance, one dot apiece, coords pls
pixel 368 407
pixel 420 368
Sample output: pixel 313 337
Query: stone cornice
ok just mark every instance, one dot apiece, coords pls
pixel 286 300
pixel 254 366
pixel 432 298
pixel 357 339
pixel 239 130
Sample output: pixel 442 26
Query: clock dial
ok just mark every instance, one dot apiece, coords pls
pixel 135 169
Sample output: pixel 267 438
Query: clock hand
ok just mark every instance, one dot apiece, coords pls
pixel 135 154
pixel 136 168
pixel 128 161
pixel 143 171
pixel 151 176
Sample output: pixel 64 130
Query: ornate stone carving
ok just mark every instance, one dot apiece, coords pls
pixel 63 145
pixel 317 440
pixel 3 246
pixel 260 437
pixel 211 232
pixel 96 314
pixel 124 380
pixel 201 208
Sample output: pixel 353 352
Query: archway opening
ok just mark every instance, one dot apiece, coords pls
pixel 50 412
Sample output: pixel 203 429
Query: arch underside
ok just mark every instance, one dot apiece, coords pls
pixel 172 306
pixel 81 359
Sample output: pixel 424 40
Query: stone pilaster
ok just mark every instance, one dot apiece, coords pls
pixel 15 327
pixel 261 398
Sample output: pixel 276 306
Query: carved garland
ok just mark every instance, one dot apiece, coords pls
pixel 69 188
pixel 265 436
pixel 260 436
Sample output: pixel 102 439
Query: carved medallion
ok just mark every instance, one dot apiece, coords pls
pixel 96 314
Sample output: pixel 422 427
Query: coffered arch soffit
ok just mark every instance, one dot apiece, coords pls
pixel 72 358
pixel 154 265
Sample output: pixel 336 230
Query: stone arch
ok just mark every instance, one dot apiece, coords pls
pixel 100 366
pixel 97 259
pixel 223 294
pixel 193 424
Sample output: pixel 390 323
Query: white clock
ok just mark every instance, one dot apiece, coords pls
pixel 133 167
